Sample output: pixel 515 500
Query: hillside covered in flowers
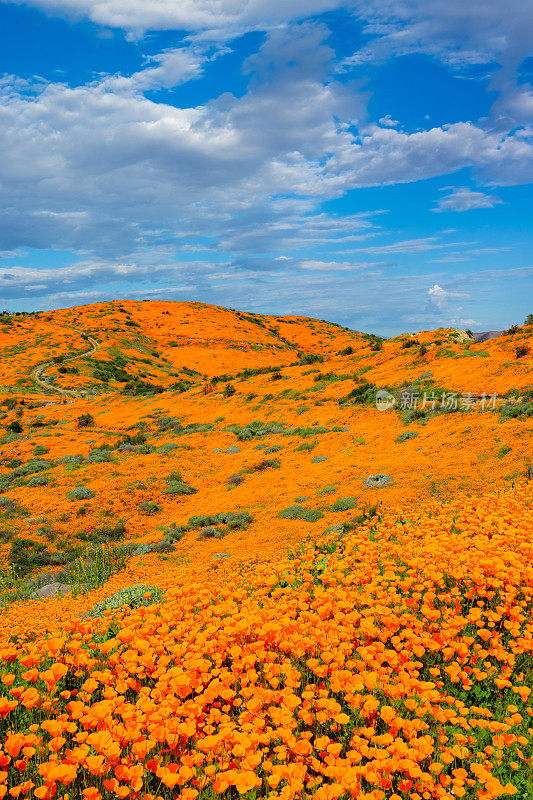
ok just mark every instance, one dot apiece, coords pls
pixel 263 557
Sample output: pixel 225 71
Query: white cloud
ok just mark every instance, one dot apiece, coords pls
pixel 439 296
pixel 218 18
pixel 388 122
pixel 463 199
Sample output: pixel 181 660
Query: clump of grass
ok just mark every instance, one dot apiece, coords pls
pixel 297 511
pixel 132 597
pixel 96 567
pixel 403 437
pixel 343 504
pixel 377 481
pixel 81 493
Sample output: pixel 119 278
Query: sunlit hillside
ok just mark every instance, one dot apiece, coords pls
pixel 263 556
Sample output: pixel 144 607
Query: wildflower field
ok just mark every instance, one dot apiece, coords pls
pixel 225 573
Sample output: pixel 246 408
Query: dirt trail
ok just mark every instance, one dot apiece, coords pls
pixel 37 373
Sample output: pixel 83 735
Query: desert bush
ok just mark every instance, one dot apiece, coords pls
pixel 96 566
pixel 234 520
pixel 522 350
pixel 99 455
pixel 85 421
pixel 173 532
pixel 132 597
pixel 516 411
pixel 297 511
pixel 32 466
pixel 68 459
pixel 364 393
pixel 176 486
pixel 112 532
pixel 229 390
pixel 343 504
pixel 37 480
pixel 403 437
pixel 309 358
pixel 149 507
pixel 14 427
pixel 377 481
pixel 273 449
pixel 318 459
pixel 235 480
pixel 267 463
pixel 306 446
pixel 27 554
pixel 81 493
pixel 40 450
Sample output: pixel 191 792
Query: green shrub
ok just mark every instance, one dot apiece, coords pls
pixel 318 459
pixel 343 504
pixel 85 421
pixel 112 532
pixel 235 480
pixel 297 511
pixel 267 463
pixel 99 455
pixel 31 467
pixel 233 520
pixel 176 485
pixel 149 508
pixel 364 393
pixel 403 437
pixel 37 480
pixel 310 358
pixel 516 411
pixel 81 493
pixel 306 446
pixel 229 390
pixel 522 350
pixel 377 481
pixel 26 554
pixel 68 459
pixel 40 450
pixel 15 427
pixel 133 597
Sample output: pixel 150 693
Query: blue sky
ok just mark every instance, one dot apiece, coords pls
pixel 364 161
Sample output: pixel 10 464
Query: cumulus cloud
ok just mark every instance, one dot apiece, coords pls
pixel 440 296
pixel 464 199
pixel 103 170
pixel 218 18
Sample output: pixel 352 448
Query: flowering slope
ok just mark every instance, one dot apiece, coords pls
pixel 343 593
pixel 391 660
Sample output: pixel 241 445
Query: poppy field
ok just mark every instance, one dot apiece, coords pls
pixel 226 573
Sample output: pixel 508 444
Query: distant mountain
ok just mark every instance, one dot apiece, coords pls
pixel 484 335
